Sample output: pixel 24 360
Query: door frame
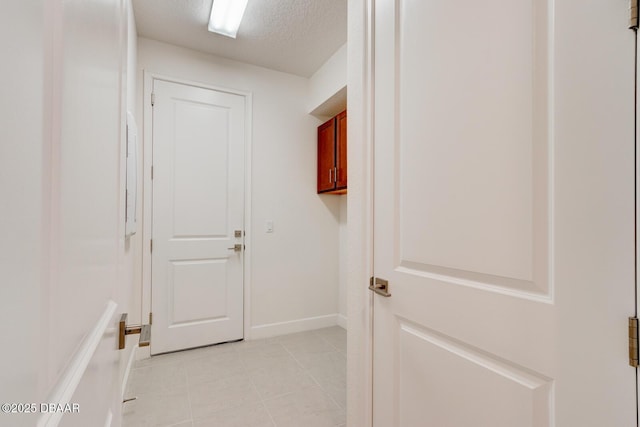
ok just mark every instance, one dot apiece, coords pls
pixel 360 107
pixel 637 196
pixel 147 191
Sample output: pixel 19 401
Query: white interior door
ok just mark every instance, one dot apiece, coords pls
pixel 64 260
pixel 198 204
pixel 504 213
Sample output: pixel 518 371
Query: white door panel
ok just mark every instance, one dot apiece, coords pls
pixel 198 203
pixel 188 278
pixel 474 157
pixel 199 168
pixel 487 390
pixel 503 214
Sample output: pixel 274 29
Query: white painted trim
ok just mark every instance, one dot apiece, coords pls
pixel 248 239
pixel 147 202
pixel 147 192
pixel 342 321
pixel 637 195
pixel 108 421
pixel 66 386
pixel 127 371
pixel 292 326
pixel 360 104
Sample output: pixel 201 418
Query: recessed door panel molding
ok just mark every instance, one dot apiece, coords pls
pixel 198 291
pixel 198 204
pixel 474 379
pixel 200 166
pixel 483 166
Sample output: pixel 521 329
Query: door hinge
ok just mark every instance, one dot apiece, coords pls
pixel 633 342
pixel 151 245
pixel 151 318
pixel 633 14
pixel 379 286
pixel 153 99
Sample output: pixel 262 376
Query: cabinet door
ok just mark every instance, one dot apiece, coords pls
pixel 326 156
pixel 341 150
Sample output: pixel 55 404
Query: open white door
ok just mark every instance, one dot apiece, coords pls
pixel 198 216
pixel 63 255
pixel 504 213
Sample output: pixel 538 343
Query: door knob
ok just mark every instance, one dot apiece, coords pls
pixel 237 247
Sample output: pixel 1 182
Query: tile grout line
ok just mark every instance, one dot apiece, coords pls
pixel 253 384
pixel 190 384
pixel 314 378
pixel 136 378
pixel 306 371
pixel 310 374
pixel 295 359
pixel 269 413
pixel 186 374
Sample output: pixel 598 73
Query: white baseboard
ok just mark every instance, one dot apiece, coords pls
pixel 342 321
pixel 292 326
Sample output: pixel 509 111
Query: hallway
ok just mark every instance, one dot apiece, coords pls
pixel 291 380
pixel 489 230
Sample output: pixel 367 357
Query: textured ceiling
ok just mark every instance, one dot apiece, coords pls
pixel 294 36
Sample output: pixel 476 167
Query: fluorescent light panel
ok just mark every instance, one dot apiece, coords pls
pixel 226 16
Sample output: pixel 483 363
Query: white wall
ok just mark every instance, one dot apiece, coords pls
pixel 328 97
pixel 294 271
pixel 327 86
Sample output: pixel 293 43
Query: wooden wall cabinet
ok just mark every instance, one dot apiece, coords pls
pixel 332 155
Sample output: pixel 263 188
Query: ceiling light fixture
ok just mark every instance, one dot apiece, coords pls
pixel 226 16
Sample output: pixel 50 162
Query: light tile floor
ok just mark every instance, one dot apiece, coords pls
pixel 288 381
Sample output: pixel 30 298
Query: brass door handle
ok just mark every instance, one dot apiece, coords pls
pixel 379 286
pixel 143 330
pixel 237 247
